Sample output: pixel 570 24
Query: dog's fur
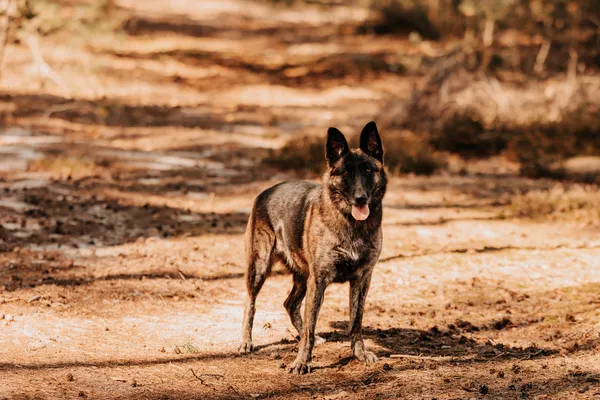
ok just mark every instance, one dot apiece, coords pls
pixel 310 228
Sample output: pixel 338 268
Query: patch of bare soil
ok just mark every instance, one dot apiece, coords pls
pixel 124 197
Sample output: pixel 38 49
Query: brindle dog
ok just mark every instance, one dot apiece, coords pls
pixel 323 234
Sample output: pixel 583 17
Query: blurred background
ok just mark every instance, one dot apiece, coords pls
pixel 451 83
pixel 135 134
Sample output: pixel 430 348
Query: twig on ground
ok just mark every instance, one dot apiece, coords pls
pixel 572 67
pixel 60 107
pixel 491 341
pixel 488 32
pixel 498 356
pixel 43 67
pixel 540 60
pixel 432 358
pixel 364 381
pixel 182 275
pixel 488 249
pixel 218 376
pixel 10 300
pixel 201 380
pixel 528 356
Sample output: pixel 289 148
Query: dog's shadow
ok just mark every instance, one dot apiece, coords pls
pixel 439 345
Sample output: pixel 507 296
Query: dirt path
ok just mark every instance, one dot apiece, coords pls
pixel 123 205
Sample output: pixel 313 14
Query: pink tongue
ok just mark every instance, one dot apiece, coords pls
pixel 360 213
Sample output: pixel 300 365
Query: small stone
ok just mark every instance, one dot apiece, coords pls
pixel 387 367
pixel 584 389
pixel 133 383
pixel 34 298
pixel 70 378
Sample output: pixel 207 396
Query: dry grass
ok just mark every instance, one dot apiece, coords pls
pixel 186 348
pixel 444 18
pixel 304 155
pixel 405 153
pixel 580 203
pixel 82 19
pixel 477 116
pixel 406 17
pixel 69 167
pixel 479 100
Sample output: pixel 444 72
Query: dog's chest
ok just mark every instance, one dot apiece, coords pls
pixel 349 258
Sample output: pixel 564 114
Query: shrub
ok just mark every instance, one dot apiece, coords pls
pixel 405 152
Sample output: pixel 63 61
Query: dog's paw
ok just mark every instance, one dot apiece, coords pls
pixel 319 340
pixel 367 357
pixel 300 368
pixel 246 347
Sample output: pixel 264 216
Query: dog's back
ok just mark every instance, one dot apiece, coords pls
pixel 281 209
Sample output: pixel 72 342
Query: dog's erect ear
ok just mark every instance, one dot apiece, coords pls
pixel 370 142
pixel 336 146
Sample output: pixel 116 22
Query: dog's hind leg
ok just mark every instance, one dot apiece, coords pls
pixel 260 245
pixel 294 301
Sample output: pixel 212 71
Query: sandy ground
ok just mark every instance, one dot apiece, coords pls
pixel 124 197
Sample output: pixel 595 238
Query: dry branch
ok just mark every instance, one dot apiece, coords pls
pixel 5 33
pixel 44 69
pixel 540 60
pixel 430 358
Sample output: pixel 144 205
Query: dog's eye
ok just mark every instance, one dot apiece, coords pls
pixel 345 173
pixel 369 170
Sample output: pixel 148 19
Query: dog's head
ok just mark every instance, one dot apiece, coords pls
pixel 356 179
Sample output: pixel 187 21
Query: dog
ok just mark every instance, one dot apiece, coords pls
pixel 323 233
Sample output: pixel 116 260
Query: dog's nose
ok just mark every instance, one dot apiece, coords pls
pixel 360 200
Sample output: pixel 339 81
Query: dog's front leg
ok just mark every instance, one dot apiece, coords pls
pixel 359 287
pixel 314 299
